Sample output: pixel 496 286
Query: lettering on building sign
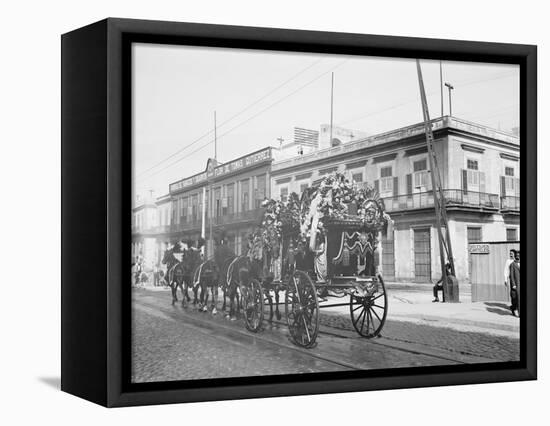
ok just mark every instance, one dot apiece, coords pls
pixel 480 248
pixel 243 162
pixel 223 169
pixel 201 177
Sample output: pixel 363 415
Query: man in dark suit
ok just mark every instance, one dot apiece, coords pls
pixel 514 284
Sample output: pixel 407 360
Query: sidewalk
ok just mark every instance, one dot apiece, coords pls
pixel 413 303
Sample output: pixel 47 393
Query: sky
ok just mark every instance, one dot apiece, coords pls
pixel 259 96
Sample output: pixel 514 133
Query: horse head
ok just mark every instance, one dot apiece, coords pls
pixel 169 258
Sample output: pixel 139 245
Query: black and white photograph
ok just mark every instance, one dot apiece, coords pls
pixel 298 213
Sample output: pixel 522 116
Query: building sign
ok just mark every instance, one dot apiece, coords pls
pixel 193 180
pixel 241 163
pixel 232 166
pixel 480 248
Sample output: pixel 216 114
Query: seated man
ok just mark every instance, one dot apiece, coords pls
pixel 439 285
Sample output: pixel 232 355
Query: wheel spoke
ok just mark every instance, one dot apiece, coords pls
pixel 377 297
pixel 363 323
pixel 360 315
pixel 374 312
pixel 360 305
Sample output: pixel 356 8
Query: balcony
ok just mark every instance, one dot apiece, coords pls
pixel 509 204
pixel 253 215
pixel 454 198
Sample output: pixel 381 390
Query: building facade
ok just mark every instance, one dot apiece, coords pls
pixel 224 196
pixel 479 170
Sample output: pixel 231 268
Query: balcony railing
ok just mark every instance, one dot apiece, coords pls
pixel 509 204
pixel 253 215
pixel 247 215
pixel 453 197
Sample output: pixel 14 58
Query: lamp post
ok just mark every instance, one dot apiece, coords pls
pixel 450 87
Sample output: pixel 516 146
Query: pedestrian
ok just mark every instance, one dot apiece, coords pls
pixel 509 261
pixel 155 275
pixel 439 285
pixel 515 284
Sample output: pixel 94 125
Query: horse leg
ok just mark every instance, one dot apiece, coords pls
pixel 173 290
pixel 277 313
pixel 204 297
pixel 270 300
pixel 214 299
pixel 187 290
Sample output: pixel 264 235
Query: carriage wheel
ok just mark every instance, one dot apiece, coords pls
pixel 252 298
pixel 302 309
pixel 368 312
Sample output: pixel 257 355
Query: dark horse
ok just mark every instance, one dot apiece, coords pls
pixel 212 274
pixel 174 274
pixel 180 274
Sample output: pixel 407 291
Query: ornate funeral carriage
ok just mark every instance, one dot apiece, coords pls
pixel 321 248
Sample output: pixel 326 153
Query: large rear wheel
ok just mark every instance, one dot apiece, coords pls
pixel 369 307
pixel 302 309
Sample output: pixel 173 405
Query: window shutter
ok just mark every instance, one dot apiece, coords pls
pixel 516 187
pixel 377 185
pixel 428 181
pixel 503 186
pixel 409 184
pixel 395 186
pixel 481 182
pixel 464 180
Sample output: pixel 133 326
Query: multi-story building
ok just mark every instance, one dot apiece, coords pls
pixel 479 170
pixel 231 193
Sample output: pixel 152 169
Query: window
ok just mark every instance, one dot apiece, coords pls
pixel 473 174
pixel 357 177
pixel 245 195
pixel 303 187
pixel 509 171
pixel 184 210
pixel 510 185
pixel 260 190
pixel 385 172
pixel 474 234
pixel 386 181
pixel 284 193
pixel 511 234
pixel 217 202
pixel 230 198
pixel 420 174
pixel 195 206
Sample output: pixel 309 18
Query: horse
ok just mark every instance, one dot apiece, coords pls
pixel 238 275
pixel 206 276
pixel 174 275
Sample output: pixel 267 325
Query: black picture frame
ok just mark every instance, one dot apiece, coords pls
pixel 96 210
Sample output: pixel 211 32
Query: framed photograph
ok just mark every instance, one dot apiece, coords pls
pixel 255 212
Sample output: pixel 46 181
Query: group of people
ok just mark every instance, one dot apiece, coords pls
pixel 511 281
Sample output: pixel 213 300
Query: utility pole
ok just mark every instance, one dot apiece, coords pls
pixel 450 283
pixel 441 84
pixel 450 87
pixel 331 106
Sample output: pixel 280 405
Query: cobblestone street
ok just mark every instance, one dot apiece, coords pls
pixel 175 343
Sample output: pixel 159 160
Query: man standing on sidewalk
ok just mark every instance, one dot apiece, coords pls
pixel 514 283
